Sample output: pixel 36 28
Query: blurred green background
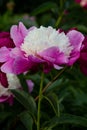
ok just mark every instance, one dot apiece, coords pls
pixel 63 14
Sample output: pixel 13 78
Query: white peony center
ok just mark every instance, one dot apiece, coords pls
pixel 13 83
pixel 42 38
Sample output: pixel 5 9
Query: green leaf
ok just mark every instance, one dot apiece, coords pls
pixel 27 120
pixel 67 119
pixel 44 7
pixel 4 115
pixel 54 85
pixel 52 98
pixel 26 100
pixel 82 28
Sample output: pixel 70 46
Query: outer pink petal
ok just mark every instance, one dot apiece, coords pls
pixel 18 33
pixel 8 66
pixel 3 79
pixel 75 38
pixel 74 56
pixel 53 56
pixel 35 59
pixel 47 67
pixel 23 29
pixel 16 52
pixel 83 57
pixel 5 40
pixel 7 99
pixel 21 65
pixel 4 54
pixel 3 98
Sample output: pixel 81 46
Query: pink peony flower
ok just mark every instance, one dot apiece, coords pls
pixel 8 82
pixel 83 57
pixel 40 46
pixel 82 3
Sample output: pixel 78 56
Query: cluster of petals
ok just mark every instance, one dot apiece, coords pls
pixel 44 46
pixel 9 81
pixel 82 3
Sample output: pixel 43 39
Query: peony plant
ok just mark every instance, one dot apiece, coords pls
pixel 24 51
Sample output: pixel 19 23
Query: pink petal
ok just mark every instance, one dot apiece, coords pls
pixel 16 52
pixel 23 29
pixel 5 40
pixel 83 56
pixel 35 59
pixel 47 67
pixel 4 54
pixel 75 38
pixel 21 65
pixel 18 33
pixel 3 79
pixel 30 85
pixel 53 55
pixel 73 57
pixel 3 98
pixel 8 66
pixel 57 67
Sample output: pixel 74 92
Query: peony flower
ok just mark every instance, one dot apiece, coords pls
pixel 83 57
pixel 82 3
pixel 8 82
pixel 40 46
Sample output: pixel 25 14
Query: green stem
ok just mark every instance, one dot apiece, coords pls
pixel 49 83
pixel 39 102
pixel 54 79
pixel 59 19
pixel 60 14
pixel 61 4
pixel 58 105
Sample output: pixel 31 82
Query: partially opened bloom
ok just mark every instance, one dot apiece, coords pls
pixel 7 83
pixel 40 46
pixel 83 3
pixel 83 57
